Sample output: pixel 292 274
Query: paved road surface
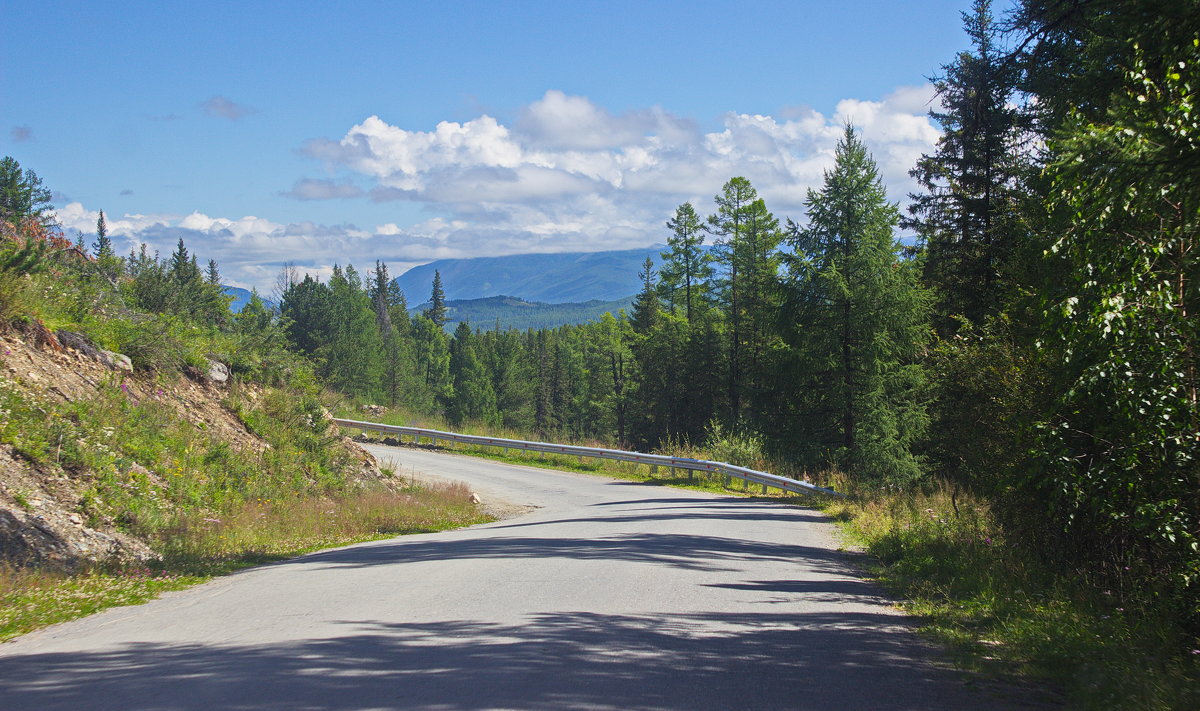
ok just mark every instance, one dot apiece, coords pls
pixel 610 595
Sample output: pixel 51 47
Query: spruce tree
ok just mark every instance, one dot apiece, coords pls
pixel 353 359
pixel 854 390
pixel 474 399
pixel 102 247
pixel 967 216
pixel 437 302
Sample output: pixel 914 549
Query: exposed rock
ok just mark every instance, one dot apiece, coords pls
pixel 82 344
pixel 62 542
pixel 374 409
pixel 117 361
pixel 217 372
pixel 43 520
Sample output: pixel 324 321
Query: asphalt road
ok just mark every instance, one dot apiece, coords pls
pixel 610 595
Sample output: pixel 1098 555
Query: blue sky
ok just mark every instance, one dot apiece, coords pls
pixel 322 133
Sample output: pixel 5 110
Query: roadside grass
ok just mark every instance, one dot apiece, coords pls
pixel 999 610
pixel 196 547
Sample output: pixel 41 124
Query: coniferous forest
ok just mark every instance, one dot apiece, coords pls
pixel 1023 329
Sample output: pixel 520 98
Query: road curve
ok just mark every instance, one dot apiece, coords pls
pixel 610 595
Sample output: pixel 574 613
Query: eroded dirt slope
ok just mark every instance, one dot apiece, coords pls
pixel 41 504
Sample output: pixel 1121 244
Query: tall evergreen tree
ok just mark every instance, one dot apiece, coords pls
pixel 102 247
pixel 308 315
pixel 855 389
pixel 353 361
pixel 967 216
pixel 728 224
pixel 687 267
pixel 474 399
pixel 212 274
pixel 437 302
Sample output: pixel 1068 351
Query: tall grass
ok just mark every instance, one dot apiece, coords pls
pixel 1000 609
pixel 195 546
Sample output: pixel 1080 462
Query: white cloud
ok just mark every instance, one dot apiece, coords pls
pixel 567 176
pixel 563 149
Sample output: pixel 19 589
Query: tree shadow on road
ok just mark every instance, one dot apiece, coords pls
pixel 565 660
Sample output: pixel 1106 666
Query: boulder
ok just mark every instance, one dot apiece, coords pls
pixel 117 361
pixel 217 372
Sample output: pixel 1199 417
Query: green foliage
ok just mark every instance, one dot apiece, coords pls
pixel 22 195
pixel 1006 611
pixel 687 267
pixel 733 446
pixel 858 394
pixel 967 217
pixel 437 302
pixel 19 258
pixel 1120 452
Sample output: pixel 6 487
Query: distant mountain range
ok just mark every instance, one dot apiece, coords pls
pixel 241 297
pixel 546 278
pixel 511 312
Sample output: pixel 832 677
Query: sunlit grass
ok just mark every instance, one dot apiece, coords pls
pixel 197 546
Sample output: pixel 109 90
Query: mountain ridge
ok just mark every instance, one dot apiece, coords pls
pixel 557 278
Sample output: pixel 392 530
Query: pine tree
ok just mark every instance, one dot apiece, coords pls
pixel 474 399
pixel 353 361
pixel 437 302
pixel 102 247
pixel 307 311
pixel 853 388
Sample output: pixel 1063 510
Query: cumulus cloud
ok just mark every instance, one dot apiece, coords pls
pixel 567 175
pixel 251 250
pixel 224 107
pixel 21 134
pixel 565 156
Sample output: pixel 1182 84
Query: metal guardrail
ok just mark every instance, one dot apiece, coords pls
pixel 653 460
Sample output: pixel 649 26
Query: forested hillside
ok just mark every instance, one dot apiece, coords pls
pixel 509 312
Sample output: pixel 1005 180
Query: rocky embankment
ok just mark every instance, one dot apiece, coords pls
pixel 41 503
